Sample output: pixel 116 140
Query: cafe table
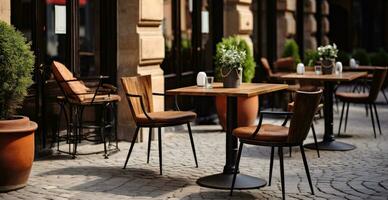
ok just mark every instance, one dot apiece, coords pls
pixel 329 80
pixel 224 180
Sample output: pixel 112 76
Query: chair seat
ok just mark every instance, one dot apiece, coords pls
pixel 166 117
pixel 99 99
pixel 353 97
pixel 267 133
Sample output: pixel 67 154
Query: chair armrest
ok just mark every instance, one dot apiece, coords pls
pixel 175 99
pixel 262 113
pixel 141 103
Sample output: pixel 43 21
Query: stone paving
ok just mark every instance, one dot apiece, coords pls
pixel 358 174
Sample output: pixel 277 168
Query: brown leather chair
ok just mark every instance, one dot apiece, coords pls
pixel 78 96
pixel 379 75
pixel 138 91
pixel 305 107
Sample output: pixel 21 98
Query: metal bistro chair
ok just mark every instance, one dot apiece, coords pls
pixel 139 95
pixel 379 75
pixel 78 96
pixel 305 107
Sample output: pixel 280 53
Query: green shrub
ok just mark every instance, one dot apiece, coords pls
pixel 379 58
pixel 16 65
pixel 240 44
pixel 343 57
pixel 361 56
pixel 311 57
pixel 291 49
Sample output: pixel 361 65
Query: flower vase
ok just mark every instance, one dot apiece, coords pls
pixel 327 66
pixel 231 77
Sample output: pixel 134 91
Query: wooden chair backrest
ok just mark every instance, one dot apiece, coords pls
pixel 379 75
pixel 266 67
pixel 285 65
pixel 70 89
pixel 138 85
pixel 305 107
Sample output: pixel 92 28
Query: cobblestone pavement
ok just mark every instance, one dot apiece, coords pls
pixel 358 174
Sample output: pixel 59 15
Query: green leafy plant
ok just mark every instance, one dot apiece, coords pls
pixel 361 56
pixel 379 58
pixel 234 52
pixel 343 57
pixel 311 57
pixel 16 65
pixel 291 49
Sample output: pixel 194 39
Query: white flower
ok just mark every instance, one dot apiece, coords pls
pixel 328 52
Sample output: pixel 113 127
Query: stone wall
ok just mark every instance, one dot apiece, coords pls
pixel 325 22
pixel 310 25
pixel 140 51
pixel 5 10
pixel 286 23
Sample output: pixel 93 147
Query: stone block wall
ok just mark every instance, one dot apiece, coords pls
pixel 286 23
pixel 140 52
pixel 310 25
pixel 5 10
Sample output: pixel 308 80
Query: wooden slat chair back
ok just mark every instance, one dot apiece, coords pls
pixel 72 88
pixel 138 85
pixel 379 75
pixel 305 107
pixel 266 67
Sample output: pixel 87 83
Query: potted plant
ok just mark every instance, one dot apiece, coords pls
pixel 16 132
pixel 247 107
pixel 229 59
pixel 327 55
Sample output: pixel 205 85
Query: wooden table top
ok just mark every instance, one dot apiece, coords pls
pixel 245 90
pixel 344 76
pixel 361 68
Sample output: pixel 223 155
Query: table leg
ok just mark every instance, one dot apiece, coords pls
pixel 224 180
pixel 329 142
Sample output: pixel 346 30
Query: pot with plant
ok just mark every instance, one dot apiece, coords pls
pixel 327 55
pixel 248 107
pixel 16 132
pixel 229 61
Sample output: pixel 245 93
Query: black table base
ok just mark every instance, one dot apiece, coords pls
pixel 224 181
pixel 331 146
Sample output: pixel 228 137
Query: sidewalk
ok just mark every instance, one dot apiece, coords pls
pixel 358 174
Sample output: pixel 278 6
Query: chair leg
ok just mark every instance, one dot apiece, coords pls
pixel 236 167
pixel 132 144
pixel 306 167
pixel 377 118
pixel 102 131
pixel 192 144
pixel 366 110
pixel 342 115
pixel 315 139
pixel 160 149
pixel 271 166
pixel 290 151
pixel 385 96
pixel 280 151
pixel 346 117
pixel 149 144
pixel 373 120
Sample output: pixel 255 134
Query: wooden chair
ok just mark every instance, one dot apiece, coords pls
pixel 379 75
pixel 78 96
pixel 305 107
pixel 138 91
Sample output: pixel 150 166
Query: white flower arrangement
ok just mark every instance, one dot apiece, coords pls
pixel 231 56
pixel 328 52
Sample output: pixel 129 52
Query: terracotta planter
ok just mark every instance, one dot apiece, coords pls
pixel 247 110
pixel 16 152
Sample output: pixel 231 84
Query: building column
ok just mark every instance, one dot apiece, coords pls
pixel 310 25
pixel 325 22
pixel 286 23
pixel 238 19
pixel 5 11
pixel 140 51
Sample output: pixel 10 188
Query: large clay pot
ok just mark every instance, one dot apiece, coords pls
pixel 16 152
pixel 247 108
